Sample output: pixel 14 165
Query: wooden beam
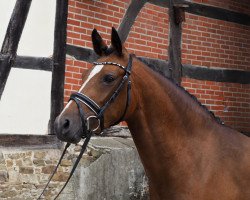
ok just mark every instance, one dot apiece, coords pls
pixel 15 27
pixel 174 48
pixel 59 55
pixel 195 72
pixel 218 13
pixel 129 18
pixel 88 55
pixel 157 65
pixel 81 53
pixel 162 3
pixel 34 63
pixel 165 3
pixel 216 74
pixel 11 40
pixel 35 141
pixel 5 65
pixel 208 11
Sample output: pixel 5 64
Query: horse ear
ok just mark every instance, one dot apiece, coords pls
pixel 98 44
pixel 116 42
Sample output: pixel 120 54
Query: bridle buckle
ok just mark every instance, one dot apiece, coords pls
pixel 88 123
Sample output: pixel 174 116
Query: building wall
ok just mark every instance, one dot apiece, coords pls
pixel 234 5
pixel 26 99
pixel 148 36
pixel 206 42
pixel 219 44
pixel 25 170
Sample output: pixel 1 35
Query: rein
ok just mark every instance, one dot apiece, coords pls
pixel 99 115
pixel 87 135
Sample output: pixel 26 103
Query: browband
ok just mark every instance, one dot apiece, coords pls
pixel 113 63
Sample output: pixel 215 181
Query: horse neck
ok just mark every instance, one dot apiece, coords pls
pixel 164 119
pixel 162 102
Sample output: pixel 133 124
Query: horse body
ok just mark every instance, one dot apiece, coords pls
pixel 185 152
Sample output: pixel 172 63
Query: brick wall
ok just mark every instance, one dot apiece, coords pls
pixel 215 43
pixel 229 101
pixel 206 42
pixel 148 37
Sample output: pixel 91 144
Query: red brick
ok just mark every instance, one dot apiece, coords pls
pixel 206 42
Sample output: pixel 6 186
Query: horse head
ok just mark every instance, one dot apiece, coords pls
pixel 104 97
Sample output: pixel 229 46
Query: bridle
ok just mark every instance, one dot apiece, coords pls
pixel 79 98
pixel 99 111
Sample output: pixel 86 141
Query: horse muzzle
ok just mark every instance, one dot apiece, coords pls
pixel 66 130
pixel 71 130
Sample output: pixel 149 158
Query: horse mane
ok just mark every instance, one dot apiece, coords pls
pixel 209 112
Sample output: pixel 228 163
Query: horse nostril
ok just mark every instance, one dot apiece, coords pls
pixel 66 124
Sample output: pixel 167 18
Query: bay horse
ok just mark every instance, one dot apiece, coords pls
pixel 186 153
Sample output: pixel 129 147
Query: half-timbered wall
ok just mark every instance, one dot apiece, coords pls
pixel 219 44
pixel 234 5
pixel 26 161
pixel 148 36
pixel 213 43
pixel 26 88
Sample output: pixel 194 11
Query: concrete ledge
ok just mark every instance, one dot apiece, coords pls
pixel 110 169
pixel 114 172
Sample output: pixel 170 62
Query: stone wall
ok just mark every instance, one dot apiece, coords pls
pixel 110 169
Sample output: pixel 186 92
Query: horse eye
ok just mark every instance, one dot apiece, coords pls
pixel 108 78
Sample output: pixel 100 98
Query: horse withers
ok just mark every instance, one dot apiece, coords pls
pixel 187 154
